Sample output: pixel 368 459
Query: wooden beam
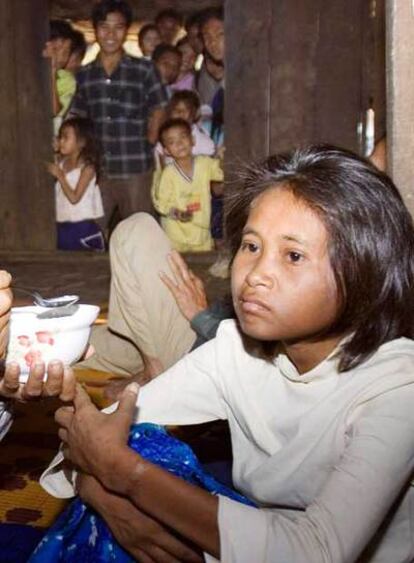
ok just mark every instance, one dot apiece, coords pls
pixel 144 10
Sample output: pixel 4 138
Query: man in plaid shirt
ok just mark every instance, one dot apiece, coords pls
pixel 125 99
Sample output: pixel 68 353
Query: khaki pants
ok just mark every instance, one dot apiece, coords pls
pixel 143 315
pixel 129 196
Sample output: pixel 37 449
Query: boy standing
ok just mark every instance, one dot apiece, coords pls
pixel 182 196
pixel 125 99
pixel 58 49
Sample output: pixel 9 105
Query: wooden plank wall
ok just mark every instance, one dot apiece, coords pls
pixel 27 214
pixel 294 75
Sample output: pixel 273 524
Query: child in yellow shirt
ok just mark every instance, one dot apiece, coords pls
pixel 182 193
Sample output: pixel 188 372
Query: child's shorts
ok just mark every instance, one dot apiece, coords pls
pixel 82 235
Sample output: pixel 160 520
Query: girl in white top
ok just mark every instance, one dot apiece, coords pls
pixel 78 198
pixel 316 380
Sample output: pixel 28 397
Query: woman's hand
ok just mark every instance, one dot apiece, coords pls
pixel 144 538
pixel 186 288
pixel 94 441
pixel 6 299
pixel 60 382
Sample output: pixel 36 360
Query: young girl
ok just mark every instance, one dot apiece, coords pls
pixel 186 76
pixel 316 380
pixel 182 192
pixel 78 199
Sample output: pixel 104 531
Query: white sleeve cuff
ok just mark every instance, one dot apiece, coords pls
pixel 243 532
pixel 56 481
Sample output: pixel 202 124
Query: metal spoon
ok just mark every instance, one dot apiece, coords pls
pixel 62 301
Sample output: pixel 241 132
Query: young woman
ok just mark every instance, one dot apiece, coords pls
pixel 316 380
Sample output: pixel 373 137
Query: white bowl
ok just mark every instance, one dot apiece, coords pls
pixel 32 339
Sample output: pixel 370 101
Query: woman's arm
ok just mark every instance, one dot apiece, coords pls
pixel 97 444
pixel 74 195
pixel 337 525
pixel 139 534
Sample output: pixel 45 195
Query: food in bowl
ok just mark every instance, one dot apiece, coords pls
pixel 33 339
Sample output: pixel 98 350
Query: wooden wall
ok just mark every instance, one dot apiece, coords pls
pixel 297 72
pixel 27 214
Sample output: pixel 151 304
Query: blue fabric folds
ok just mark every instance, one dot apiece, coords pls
pixel 80 534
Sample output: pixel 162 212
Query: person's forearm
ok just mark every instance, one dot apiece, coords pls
pixel 154 124
pixel 70 194
pixel 187 509
pixel 56 105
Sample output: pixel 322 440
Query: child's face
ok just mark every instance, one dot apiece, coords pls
pixel 68 143
pixel 149 41
pixel 181 110
pixel 111 33
pixel 168 66
pixel 188 58
pixel 193 34
pixel 282 282
pixel 177 143
pixel 59 50
pixel 74 63
pixel 168 28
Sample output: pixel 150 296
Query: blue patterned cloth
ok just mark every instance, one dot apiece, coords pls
pixel 81 535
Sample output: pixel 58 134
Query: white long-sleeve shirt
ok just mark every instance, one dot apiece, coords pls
pixel 324 455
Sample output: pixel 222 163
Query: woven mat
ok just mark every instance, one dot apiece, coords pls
pixel 32 442
pixel 26 451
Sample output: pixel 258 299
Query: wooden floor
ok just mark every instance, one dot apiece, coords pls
pixel 86 274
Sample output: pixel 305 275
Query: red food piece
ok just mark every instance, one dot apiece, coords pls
pixel 24 340
pixel 32 357
pixel 45 337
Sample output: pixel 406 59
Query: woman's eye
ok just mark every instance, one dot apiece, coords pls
pixel 294 256
pixel 249 246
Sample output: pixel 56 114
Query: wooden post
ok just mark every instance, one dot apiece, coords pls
pixel 400 96
pixel 27 212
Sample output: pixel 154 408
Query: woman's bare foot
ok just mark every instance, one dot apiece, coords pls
pixel 116 385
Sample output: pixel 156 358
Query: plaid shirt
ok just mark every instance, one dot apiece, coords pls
pixel 120 105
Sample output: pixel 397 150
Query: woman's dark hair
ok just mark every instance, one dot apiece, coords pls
pixel 170 123
pixel 371 239
pixel 84 131
pixel 102 9
pixel 188 97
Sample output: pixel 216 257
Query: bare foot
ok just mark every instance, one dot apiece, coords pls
pixel 115 386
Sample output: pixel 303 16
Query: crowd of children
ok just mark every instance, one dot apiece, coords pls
pixel 187 171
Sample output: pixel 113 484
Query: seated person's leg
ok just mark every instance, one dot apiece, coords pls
pixel 141 308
